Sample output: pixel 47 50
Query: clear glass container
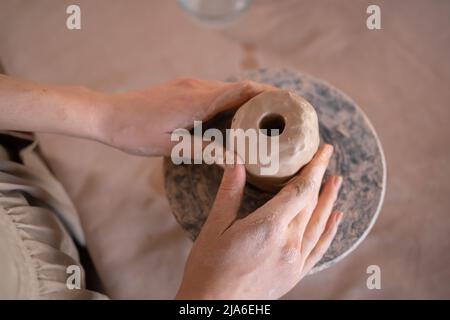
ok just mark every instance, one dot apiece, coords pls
pixel 215 13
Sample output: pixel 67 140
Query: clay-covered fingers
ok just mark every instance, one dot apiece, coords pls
pixel 301 192
pixel 317 223
pixel 324 242
pixel 246 89
pixel 234 94
pixel 315 169
pixel 228 200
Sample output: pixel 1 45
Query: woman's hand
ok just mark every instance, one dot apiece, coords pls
pixel 141 122
pixel 265 254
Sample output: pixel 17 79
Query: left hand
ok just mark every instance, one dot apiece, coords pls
pixel 138 122
pixel 141 122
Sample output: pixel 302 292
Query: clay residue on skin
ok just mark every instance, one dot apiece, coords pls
pixel 300 185
pixel 263 228
pixel 289 255
pixel 303 186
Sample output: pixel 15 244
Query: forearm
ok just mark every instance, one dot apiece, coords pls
pixel 138 122
pixel 28 106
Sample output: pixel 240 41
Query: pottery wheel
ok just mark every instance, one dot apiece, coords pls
pixel 358 158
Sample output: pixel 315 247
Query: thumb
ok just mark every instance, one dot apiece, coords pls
pixel 228 199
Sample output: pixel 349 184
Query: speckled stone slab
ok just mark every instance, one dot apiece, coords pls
pixel 358 158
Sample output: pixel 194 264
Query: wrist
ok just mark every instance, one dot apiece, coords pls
pixel 78 111
pixel 127 122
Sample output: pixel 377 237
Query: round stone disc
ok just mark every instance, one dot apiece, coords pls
pixel 358 158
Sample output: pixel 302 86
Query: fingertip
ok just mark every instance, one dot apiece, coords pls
pixel 323 155
pixel 338 217
pixel 337 181
pixel 241 173
pixel 255 87
pixel 327 150
pixel 235 172
pixel 334 182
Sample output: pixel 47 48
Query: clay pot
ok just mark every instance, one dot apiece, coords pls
pixel 298 138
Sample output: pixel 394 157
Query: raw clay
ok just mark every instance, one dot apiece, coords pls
pixel 298 126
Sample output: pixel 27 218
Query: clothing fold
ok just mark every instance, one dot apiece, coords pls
pixel 37 223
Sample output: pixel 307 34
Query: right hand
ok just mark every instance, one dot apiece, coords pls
pixel 265 254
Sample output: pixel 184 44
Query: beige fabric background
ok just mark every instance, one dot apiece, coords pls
pixel 399 76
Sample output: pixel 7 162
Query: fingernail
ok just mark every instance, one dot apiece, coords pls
pixel 339 217
pixel 328 149
pixel 337 181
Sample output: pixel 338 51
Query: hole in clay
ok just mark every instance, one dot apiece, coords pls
pixel 272 121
